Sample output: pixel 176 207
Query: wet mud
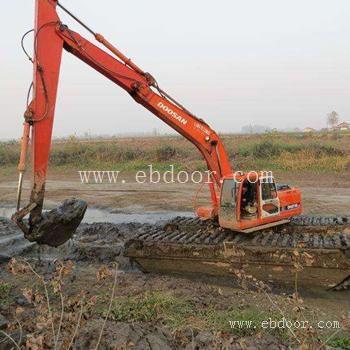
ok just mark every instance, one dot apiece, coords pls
pixel 58 225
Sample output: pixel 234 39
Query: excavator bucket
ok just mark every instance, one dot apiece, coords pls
pixel 57 226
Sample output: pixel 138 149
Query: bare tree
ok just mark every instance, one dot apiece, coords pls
pixel 332 119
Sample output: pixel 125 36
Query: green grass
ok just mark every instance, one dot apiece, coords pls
pixel 5 294
pixel 180 313
pixel 151 307
pixel 339 343
pixel 218 320
pixel 317 152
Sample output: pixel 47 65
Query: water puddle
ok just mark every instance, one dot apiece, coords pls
pixel 6 212
pixel 98 215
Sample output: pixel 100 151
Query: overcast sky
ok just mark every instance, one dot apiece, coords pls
pixel 274 62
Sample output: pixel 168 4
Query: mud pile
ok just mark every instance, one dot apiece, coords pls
pixel 189 246
pixel 99 242
pixel 104 242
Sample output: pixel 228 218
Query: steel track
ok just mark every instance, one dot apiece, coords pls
pixel 319 245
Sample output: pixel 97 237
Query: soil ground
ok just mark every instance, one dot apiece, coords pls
pixel 322 194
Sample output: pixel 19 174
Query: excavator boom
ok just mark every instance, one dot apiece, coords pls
pixel 51 37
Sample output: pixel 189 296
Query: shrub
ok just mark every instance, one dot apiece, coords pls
pixel 9 153
pixel 165 153
pixel 271 149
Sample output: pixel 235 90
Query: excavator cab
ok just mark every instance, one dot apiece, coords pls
pixel 252 202
pixel 270 203
pixel 229 212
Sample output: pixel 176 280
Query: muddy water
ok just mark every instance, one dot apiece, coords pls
pixel 90 242
pixel 6 212
pixel 93 215
pixel 97 215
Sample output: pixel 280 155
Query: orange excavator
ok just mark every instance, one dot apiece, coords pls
pixel 252 223
pixel 241 202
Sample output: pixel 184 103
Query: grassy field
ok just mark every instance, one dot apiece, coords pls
pixel 315 152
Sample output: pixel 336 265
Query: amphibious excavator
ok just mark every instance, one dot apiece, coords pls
pixel 252 221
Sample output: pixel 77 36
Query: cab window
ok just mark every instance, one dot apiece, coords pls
pixel 268 191
pixel 228 194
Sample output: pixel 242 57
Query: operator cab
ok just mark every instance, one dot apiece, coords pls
pixel 248 202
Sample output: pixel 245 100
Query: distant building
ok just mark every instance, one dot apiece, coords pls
pixel 308 129
pixel 344 126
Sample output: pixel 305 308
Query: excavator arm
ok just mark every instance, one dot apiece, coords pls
pixel 50 37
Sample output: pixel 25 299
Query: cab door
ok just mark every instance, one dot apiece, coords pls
pixel 228 204
pixel 269 201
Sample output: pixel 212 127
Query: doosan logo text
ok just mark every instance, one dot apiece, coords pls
pixel 172 113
